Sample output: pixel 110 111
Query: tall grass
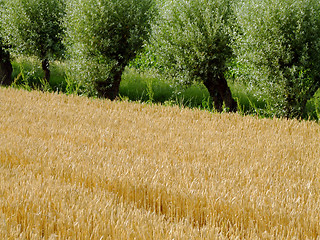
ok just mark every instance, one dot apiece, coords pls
pixel 138 86
pixel 27 73
pixel 78 168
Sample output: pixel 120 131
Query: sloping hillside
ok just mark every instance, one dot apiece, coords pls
pixel 77 168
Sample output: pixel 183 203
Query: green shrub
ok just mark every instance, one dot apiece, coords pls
pixel 146 60
pixel 279 47
pixel 103 36
pixel 192 43
pixel 34 27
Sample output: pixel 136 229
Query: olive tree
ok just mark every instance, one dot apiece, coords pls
pixel 34 27
pixel 192 39
pixel 5 64
pixel 279 45
pixel 103 36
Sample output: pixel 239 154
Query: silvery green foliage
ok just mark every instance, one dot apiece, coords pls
pixel 2 43
pixel 103 36
pixel 5 64
pixel 34 27
pixel 279 45
pixel 191 38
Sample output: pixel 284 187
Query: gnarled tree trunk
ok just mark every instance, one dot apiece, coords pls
pixel 5 68
pixel 45 68
pixel 110 89
pixel 220 92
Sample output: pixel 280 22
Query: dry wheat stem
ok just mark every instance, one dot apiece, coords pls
pixel 77 168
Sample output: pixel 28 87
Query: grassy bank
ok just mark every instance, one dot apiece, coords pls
pixel 150 87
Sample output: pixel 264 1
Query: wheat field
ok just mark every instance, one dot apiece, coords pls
pixel 78 168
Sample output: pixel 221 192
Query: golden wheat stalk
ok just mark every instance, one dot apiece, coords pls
pixel 77 168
